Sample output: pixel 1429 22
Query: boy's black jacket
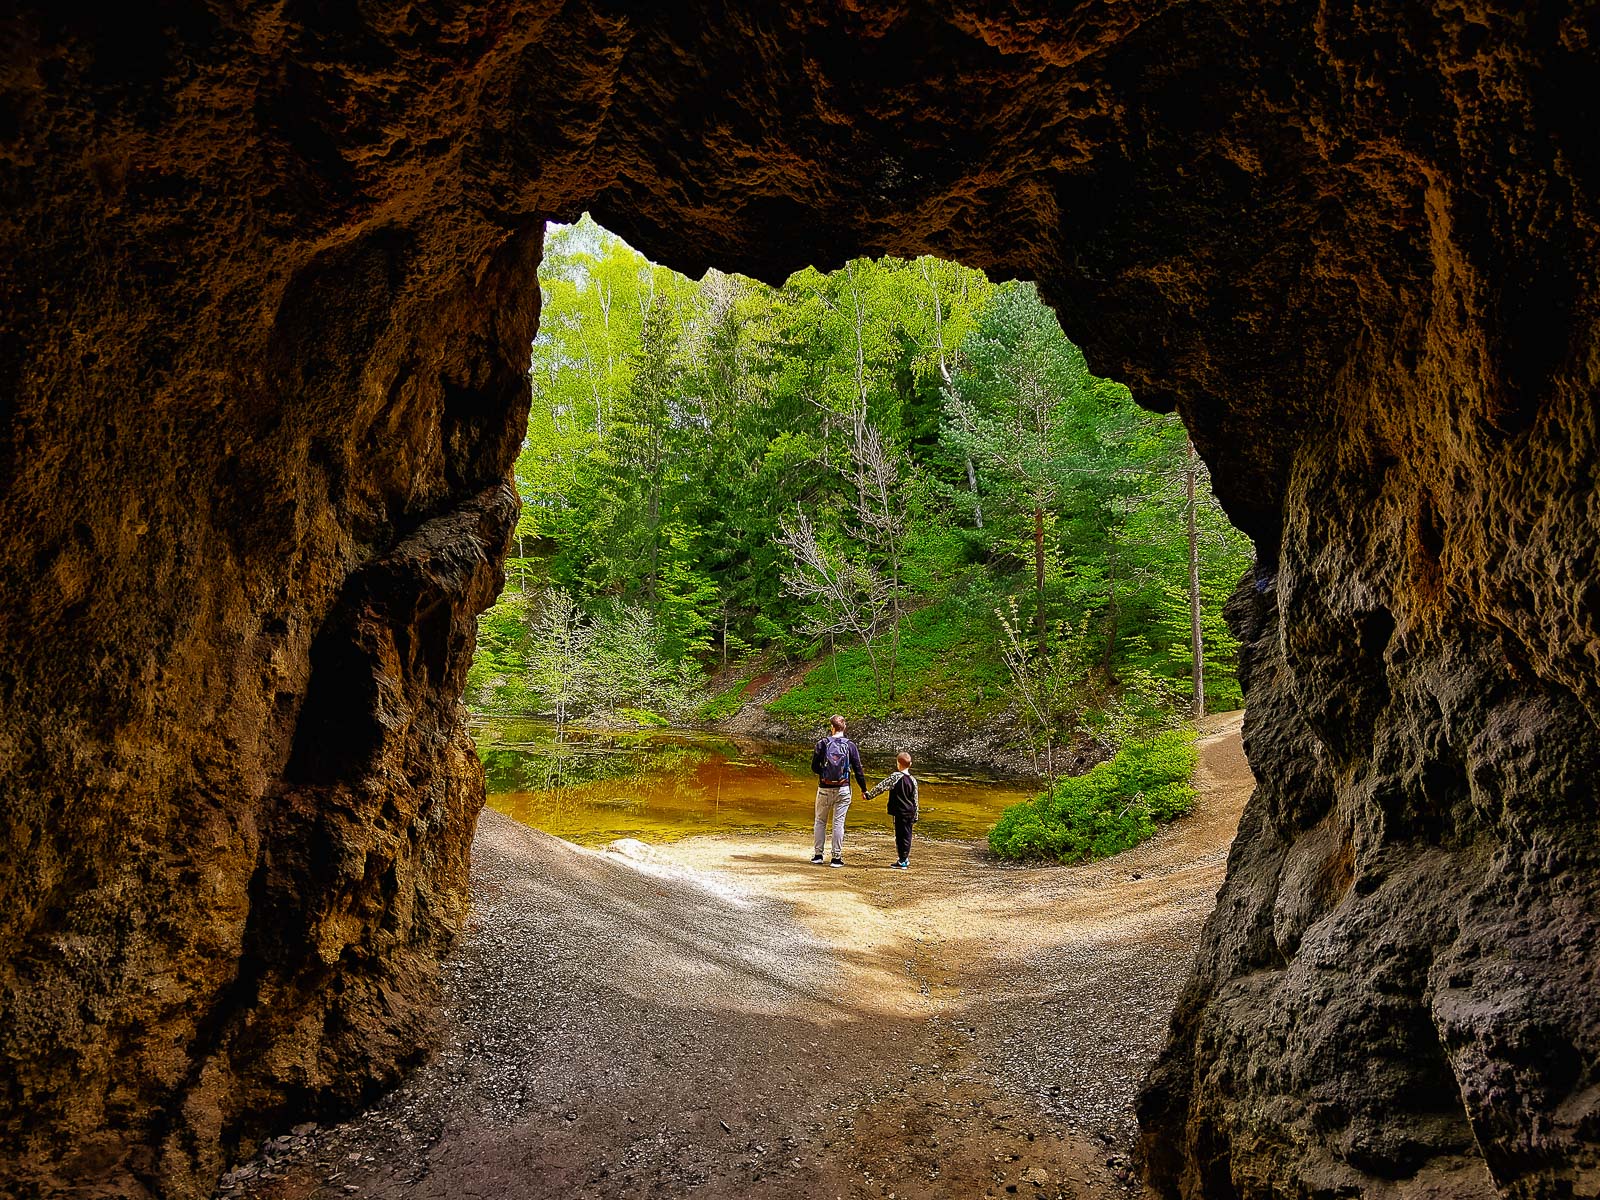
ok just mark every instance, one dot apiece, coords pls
pixel 902 795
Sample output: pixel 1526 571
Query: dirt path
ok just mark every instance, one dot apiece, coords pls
pixel 719 1018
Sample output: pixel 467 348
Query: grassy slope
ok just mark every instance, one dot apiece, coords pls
pixel 941 667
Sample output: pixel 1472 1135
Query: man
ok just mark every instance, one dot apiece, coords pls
pixel 833 760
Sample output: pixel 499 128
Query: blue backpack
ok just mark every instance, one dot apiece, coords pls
pixel 835 761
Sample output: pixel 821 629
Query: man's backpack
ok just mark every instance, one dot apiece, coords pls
pixel 835 762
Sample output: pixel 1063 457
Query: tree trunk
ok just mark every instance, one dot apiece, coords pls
pixel 1038 574
pixel 858 407
pixel 1111 600
pixel 877 678
pixel 1196 641
pixel 894 639
pixel 655 524
pixel 944 374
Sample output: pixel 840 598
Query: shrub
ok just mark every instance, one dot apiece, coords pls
pixel 1107 810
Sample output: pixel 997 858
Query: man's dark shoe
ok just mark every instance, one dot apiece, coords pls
pixel 816 860
pixel 838 862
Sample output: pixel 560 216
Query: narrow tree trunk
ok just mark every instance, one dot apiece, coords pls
pixel 655 526
pixel 944 374
pixel 1111 602
pixel 1038 574
pixel 877 678
pixel 650 578
pixel 858 407
pixel 894 639
pixel 1197 642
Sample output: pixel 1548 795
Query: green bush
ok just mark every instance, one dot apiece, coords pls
pixel 1222 690
pixel 1107 810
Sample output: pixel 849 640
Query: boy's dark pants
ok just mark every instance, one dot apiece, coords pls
pixel 902 835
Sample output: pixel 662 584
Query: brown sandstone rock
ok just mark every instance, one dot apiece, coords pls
pixel 269 277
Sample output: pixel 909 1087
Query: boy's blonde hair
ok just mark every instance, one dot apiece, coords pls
pixel 903 758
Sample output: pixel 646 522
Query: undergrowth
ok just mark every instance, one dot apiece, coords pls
pixel 721 705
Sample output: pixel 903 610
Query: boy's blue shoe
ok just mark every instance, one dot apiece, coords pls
pixel 902 865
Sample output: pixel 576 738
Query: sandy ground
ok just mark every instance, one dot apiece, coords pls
pixel 719 1018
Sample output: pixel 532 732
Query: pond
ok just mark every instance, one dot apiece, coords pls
pixel 658 785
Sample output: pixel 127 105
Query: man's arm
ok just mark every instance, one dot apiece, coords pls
pixel 816 760
pixel 855 763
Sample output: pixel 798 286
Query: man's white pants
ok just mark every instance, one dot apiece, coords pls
pixel 832 804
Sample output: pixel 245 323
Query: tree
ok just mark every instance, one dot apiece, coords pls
pixel 1010 408
pixel 881 525
pixel 559 664
pixel 1190 475
pixel 961 306
pixel 652 419
pixel 1046 682
pixel 949 450
pixel 844 595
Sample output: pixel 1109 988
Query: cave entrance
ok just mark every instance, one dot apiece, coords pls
pixel 894 491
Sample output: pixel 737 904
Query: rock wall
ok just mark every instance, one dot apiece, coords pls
pixel 269 275
pixel 255 435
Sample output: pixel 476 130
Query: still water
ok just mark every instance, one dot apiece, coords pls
pixel 660 785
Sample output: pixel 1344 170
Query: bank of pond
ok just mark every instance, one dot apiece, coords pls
pixel 593 786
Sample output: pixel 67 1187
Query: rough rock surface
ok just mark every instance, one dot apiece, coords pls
pixel 267 277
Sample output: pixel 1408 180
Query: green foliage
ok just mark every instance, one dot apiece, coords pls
pixel 942 438
pixel 495 681
pixel 1109 809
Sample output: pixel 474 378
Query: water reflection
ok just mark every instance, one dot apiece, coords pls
pixel 593 787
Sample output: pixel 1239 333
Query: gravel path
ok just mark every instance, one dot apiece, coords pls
pixel 719 1018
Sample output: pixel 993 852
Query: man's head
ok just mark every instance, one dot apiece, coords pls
pixel 837 722
pixel 904 760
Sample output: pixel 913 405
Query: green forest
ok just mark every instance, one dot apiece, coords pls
pixel 899 482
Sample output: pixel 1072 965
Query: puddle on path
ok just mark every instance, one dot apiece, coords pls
pixel 660 785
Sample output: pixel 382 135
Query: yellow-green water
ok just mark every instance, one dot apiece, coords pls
pixel 659 785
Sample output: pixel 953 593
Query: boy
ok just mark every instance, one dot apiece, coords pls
pixel 902 789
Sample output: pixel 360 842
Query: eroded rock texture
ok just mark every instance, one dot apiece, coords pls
pixel 269 278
